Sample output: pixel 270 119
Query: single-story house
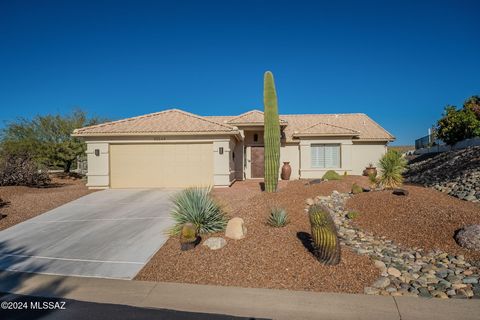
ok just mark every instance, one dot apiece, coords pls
pixel 174 148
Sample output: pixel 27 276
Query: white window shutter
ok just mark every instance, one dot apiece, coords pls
pixel 325 155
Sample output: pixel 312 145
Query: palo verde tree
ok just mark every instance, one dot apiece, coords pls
pixel 47 139
pixel 271 133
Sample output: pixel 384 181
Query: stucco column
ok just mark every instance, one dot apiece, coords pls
pixel 98 173
pixel 221 163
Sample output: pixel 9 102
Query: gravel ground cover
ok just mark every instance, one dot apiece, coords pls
pixel 426 218
pixel 405 271
pixel 268 257
pixel 26 202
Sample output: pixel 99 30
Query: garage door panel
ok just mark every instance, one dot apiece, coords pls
pixel 161 165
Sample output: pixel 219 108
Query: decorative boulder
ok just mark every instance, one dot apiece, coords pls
pixel 400 192
pixel 469 237
pixel 215 243
pixel 236 229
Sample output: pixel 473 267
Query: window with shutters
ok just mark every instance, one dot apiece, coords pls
pixel 325 155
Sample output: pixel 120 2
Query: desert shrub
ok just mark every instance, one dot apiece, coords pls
pixel 352 214
pixel 278 217
pixel 392 165
pixel 372 177
pixel 195 205
pixel 356 189
pixel 21 170
pixel 3 203
pixel 331 175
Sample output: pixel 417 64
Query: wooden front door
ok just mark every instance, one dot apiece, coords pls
pixel 258 168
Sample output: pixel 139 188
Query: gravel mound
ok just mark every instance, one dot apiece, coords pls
pixel 456 173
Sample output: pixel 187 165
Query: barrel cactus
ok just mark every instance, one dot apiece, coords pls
pixel 271 133
pixel 324 236
pixel 188 236
pixel 356 189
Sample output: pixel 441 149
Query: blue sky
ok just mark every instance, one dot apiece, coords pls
pixel 400 62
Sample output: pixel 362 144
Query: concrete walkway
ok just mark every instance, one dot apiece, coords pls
pixel 108 234
pixel 258 303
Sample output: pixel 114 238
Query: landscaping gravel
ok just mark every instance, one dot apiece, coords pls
pixel 28 202
pixel 267 257
pixel 405 271
pixel 426 218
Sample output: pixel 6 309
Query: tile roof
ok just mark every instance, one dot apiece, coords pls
pixel 250 117
pixel 325 129
pixel 357 125
pixel 366 128
pixel 168 121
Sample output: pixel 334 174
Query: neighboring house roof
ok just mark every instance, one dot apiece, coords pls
pixel 253 117
pixel 171 121
pixel 174 121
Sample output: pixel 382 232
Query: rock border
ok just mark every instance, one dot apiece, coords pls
pixel 404 271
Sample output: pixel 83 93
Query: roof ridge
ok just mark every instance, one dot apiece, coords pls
pixel 202 118
pixel 380 127
pixel 124 120
pixel 244 114
pixel 149 115
pixel 323 114
pixel 331 125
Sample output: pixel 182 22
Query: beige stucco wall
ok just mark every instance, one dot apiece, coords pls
pixel 354 156
pixel 365 152
pixel 288 152
pixel 98 175
pixel 306 169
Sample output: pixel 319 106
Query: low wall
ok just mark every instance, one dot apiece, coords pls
pixel 444 148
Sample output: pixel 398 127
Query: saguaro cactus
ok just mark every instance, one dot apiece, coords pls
pixel 271 135
pixel 324 236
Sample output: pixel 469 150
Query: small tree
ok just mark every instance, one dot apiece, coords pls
pixel 271 133
pixel 47 139
pixel 457 125
pixel 473 104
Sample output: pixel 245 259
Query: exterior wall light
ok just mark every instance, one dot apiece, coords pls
pixel 97 152
pixel 220 150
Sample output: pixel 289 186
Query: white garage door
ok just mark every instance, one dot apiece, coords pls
pixel 161 165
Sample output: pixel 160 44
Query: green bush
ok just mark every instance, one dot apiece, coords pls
pixel 356 189
pixel 392 165
pixel 195 205
pixel 372 177
pixel 352 214
pixel 278 218
pixel 331 175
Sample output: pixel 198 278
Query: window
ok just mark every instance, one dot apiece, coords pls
pixel 325 155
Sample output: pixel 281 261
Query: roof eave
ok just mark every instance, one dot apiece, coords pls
pixel 325 135
pixel 120 134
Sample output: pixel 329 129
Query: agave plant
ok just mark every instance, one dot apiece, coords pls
pixel 196 206
pixel 392 165
pixel 278 217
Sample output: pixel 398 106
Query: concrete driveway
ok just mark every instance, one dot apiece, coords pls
pixel 108 234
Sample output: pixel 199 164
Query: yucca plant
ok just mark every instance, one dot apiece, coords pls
pixel 195 205
pixel 392 165
pixel 278 217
